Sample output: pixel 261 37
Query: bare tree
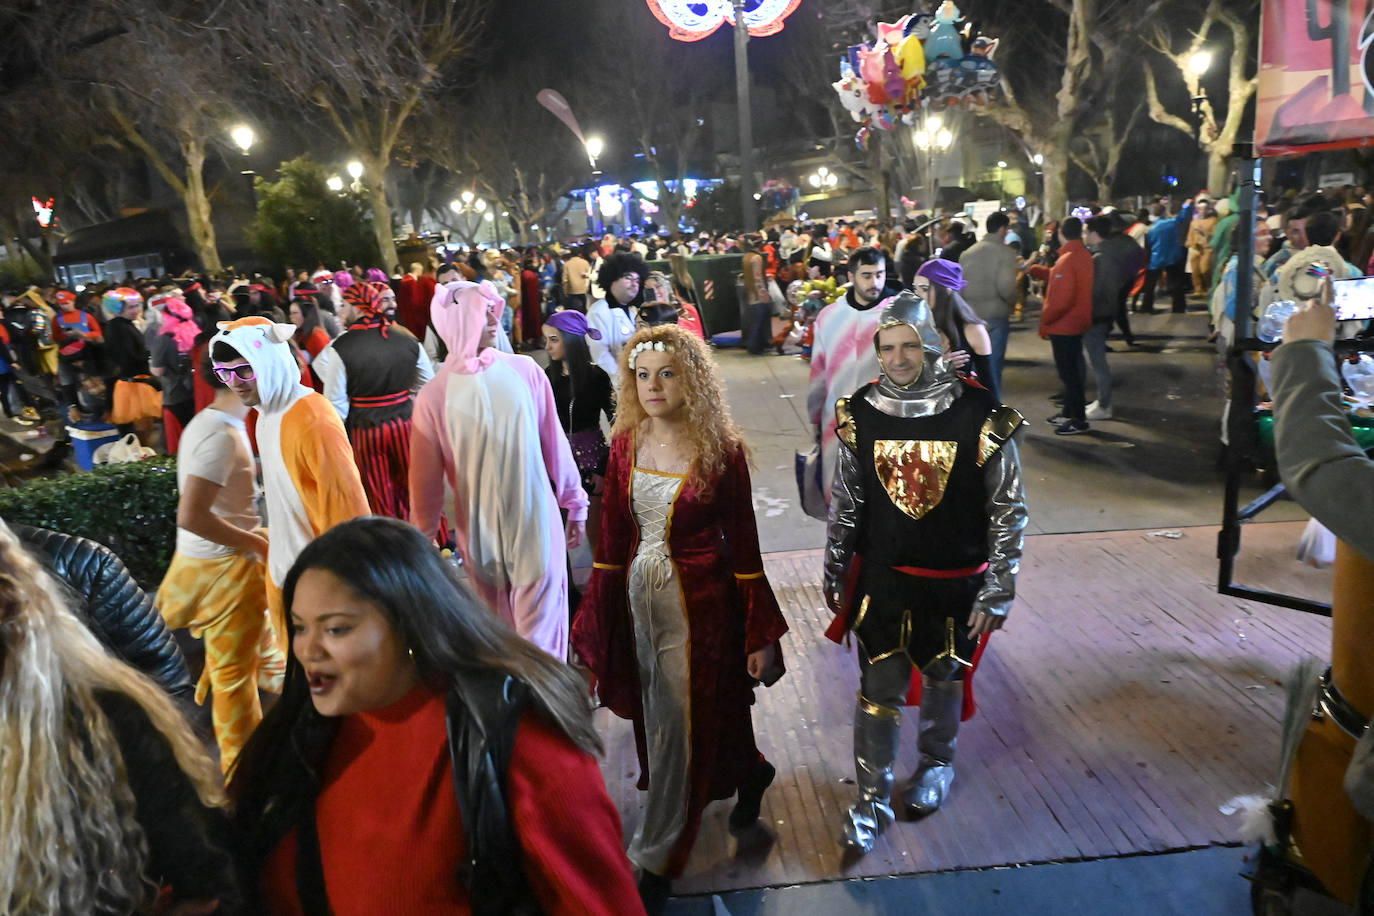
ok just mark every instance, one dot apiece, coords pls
pixel 366 65
pixel 510 151
pixel 1087 42
pixel 1217 139
pixel 1097 150
pixel 661 109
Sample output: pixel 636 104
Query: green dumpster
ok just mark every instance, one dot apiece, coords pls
pixel 714 276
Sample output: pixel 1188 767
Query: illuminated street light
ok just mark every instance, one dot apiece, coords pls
pixel 1200 62
pixel 355 170
pixel 243 137
pixel 467 197
pixel 479 205
pixel 943 138
pixel 1001 164
pixel 594 148
pixel 1038 159
pixel 334 183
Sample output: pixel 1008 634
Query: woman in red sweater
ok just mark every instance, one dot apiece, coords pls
pixel 423 758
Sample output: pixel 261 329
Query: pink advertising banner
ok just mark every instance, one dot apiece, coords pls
pixel 1315 76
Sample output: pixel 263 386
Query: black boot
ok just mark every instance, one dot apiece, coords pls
pixel 746 810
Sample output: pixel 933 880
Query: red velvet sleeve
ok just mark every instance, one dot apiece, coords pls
pixel 570 831
pixel 601 630
pixel 763 620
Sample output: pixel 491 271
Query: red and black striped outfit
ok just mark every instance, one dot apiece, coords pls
pixel 379 365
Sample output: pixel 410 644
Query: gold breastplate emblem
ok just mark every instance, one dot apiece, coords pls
pixel 914 473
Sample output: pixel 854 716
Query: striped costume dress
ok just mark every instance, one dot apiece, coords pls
pixel 382 366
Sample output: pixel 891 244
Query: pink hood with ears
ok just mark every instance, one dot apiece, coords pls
pixel 459 312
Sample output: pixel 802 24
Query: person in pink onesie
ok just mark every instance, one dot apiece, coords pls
pixel 485 446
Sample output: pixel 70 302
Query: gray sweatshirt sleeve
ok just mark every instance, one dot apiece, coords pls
pixel 1323 467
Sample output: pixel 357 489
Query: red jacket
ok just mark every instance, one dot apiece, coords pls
pixel 1068 308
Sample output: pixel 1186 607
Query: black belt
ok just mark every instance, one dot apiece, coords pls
pixel 1333 705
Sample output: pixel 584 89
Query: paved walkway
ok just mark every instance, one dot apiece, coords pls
pixel 1123 703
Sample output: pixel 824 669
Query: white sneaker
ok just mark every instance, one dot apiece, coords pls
pixel 1096 411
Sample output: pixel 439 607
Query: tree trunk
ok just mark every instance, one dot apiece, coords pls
pixel 1056 172
pixel 198 213
pixel 1218 172
pixel 381 208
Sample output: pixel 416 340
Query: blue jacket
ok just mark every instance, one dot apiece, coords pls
pixel 1165 248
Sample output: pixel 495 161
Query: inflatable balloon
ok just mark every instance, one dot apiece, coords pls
pixel 945 41
pixel 854 98
pixel 861 138
pixel 911 57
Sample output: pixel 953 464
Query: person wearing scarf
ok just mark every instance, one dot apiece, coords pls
pixel 370 374
pixel 171 361
pixel 484 448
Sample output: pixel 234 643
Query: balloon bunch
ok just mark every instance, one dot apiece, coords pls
pixel 826 289
pixel 917 59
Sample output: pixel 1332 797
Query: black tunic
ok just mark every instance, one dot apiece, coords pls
pixel 379 372
pixel 924 511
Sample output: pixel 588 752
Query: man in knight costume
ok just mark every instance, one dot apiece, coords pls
pixel 924 543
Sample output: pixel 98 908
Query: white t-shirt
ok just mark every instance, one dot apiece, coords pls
pixel 214 447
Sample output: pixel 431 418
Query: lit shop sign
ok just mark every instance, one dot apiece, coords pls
pixel 693 20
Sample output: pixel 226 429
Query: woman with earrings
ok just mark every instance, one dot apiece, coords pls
pixel 422 754
pixel 582 393
pixel 679 622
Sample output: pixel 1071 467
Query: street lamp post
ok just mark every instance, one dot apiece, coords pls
pixel 931 137
pixel 594 148
pixel 1198 64
pixel 746 121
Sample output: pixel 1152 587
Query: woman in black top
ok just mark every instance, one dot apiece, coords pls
pixel 582 391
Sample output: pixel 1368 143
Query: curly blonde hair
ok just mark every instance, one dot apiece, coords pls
pixel 711 431
pixel 69 841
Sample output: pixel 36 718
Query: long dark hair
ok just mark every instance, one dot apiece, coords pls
pixel 310 317
pixel 446 629
pixel 578 359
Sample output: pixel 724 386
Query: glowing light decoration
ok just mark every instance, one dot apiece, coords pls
pixel 693 20
pixel 42 210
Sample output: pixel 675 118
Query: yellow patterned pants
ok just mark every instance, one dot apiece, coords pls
pixel 224 603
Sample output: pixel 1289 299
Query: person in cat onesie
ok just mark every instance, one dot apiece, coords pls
pixel 310 482
pixel 485 446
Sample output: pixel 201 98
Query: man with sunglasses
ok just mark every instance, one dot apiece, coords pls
pixel 310 481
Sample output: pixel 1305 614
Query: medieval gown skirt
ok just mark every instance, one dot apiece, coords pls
pixel 676 602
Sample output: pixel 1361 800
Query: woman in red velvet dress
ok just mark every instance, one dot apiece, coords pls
pixel 678 622
pixel 423 759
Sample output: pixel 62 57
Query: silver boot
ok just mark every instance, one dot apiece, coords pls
pixel 942 702
pixel 875 748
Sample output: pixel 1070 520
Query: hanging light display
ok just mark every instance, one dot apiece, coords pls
pixel 693 20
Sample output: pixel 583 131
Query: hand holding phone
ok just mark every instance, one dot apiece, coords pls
pixel 1353 299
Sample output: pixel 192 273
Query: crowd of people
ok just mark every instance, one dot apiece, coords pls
pixel 378 496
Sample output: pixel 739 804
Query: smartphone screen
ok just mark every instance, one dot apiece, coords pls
pixel 1354 299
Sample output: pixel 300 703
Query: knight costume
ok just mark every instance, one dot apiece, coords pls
pixel 926 519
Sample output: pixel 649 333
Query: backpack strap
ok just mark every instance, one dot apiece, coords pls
pixel 483 716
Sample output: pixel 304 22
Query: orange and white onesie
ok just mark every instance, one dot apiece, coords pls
pixel 310 482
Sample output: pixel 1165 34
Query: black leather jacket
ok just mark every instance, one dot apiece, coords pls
pixel 118 612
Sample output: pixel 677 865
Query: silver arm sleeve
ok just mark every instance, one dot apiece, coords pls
pixel 1006 529
pixel 842 533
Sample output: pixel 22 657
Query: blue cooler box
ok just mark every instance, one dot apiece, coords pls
pixel 87 437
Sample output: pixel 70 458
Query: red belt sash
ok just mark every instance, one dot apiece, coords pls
pixel 381 400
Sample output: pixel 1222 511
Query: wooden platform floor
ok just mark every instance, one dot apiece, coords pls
pixel 1122 704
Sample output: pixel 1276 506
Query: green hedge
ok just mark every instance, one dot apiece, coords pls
pixel 130 508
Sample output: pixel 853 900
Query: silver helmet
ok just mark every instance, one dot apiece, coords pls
pixel 907 308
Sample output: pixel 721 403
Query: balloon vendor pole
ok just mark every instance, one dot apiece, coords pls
pixel 746 126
